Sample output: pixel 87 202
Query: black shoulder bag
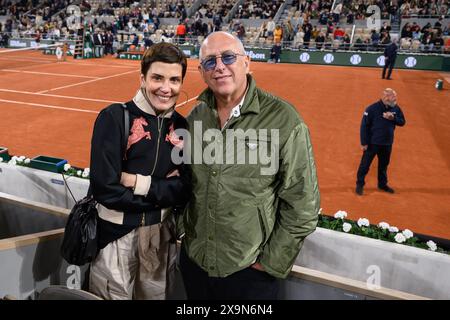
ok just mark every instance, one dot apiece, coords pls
pixel 80 242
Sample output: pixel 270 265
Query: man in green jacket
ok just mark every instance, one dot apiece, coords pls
pixel 255 193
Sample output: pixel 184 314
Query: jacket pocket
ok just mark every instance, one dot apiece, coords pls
pixel 263 225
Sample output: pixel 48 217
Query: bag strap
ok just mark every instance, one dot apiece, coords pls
pixel 126 117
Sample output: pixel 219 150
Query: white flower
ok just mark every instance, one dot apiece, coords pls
pixel 320 211
pixel 407 233
pixel 346 227
pixel 399 238
pixel 340 214
pixel 87 170
pixel 14 158
pixel 67 166
pixel 363 222
pixel 19 160
pixel 27 160
pixel 22 158
pixel 384 225
pixel 393 229
pixel 79 173
pixel 12 162
pixel 85 174
pixel 431 245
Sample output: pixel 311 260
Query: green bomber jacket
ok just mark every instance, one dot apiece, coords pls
pixel 255 194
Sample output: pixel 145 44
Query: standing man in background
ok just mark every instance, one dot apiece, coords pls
pixel 390 54
pixel 377 136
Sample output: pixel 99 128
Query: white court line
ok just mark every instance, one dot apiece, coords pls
pixel 89 81
pixel 50 74
pixel 48 106
pixel 28 59
pixel 73 109
pixel 58 96
pixel 97 79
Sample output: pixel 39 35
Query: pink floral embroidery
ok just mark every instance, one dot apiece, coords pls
pixel 137 132
pixel 173 138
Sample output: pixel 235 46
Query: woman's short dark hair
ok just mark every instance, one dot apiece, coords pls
pixel 163 52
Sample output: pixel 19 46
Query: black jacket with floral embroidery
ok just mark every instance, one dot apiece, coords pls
pixel 148 153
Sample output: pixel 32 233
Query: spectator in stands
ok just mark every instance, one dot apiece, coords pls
pixel 427 43
pixel 241 32
pixel 377 136
pixel 307 29
pixel 181 32
pixel 385 28
pixel 270 27
pixel 390 55
pixel 320 39
pixel 438 42
pixel 447 30
pixel 447 46
pixel 263 30
pixel 275 53
pixel 108 40
pixel 338 33
pixel 315 32
pixel 135 41
pixel 136 236
pixel 277 34
pixel 217 21
pixel 350 18
pixel 438 24
pixel 346 41
pixel 375 38
pixel 323 17
pixel 4 38
pixel 337 12
pixel 229 251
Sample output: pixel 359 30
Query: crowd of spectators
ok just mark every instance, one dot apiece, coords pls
pixel 45 19
pixel 427 38
pixel 415 8
pixel 258 9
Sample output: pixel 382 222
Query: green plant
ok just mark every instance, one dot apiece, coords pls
pixel 383 231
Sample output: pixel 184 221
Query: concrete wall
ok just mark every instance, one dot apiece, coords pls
pixel 41 186
pixel 412 270
pixel 389 265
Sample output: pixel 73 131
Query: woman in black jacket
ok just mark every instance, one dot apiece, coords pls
pixel 137 185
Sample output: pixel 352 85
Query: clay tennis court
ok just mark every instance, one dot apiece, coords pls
pixel 49 107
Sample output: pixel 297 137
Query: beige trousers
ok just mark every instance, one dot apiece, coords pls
pixel 140 265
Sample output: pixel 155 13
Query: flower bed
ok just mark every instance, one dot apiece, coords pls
pixel 382 231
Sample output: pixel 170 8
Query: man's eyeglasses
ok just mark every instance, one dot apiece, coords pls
pixel 210 62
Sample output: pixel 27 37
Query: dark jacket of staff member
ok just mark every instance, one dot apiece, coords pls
pixel 377 136
pixel 390 54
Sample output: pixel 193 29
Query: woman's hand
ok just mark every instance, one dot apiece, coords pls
pixel 128 180
pixel 174 173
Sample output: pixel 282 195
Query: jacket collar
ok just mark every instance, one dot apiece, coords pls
pixel 251 101
pixel 142 102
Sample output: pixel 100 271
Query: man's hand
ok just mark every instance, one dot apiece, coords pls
pixel 128 180
pixel 388 115
pixel 258 266
pixel 364 148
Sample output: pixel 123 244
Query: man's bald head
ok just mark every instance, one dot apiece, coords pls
pixel 221 37
pixel 389 97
